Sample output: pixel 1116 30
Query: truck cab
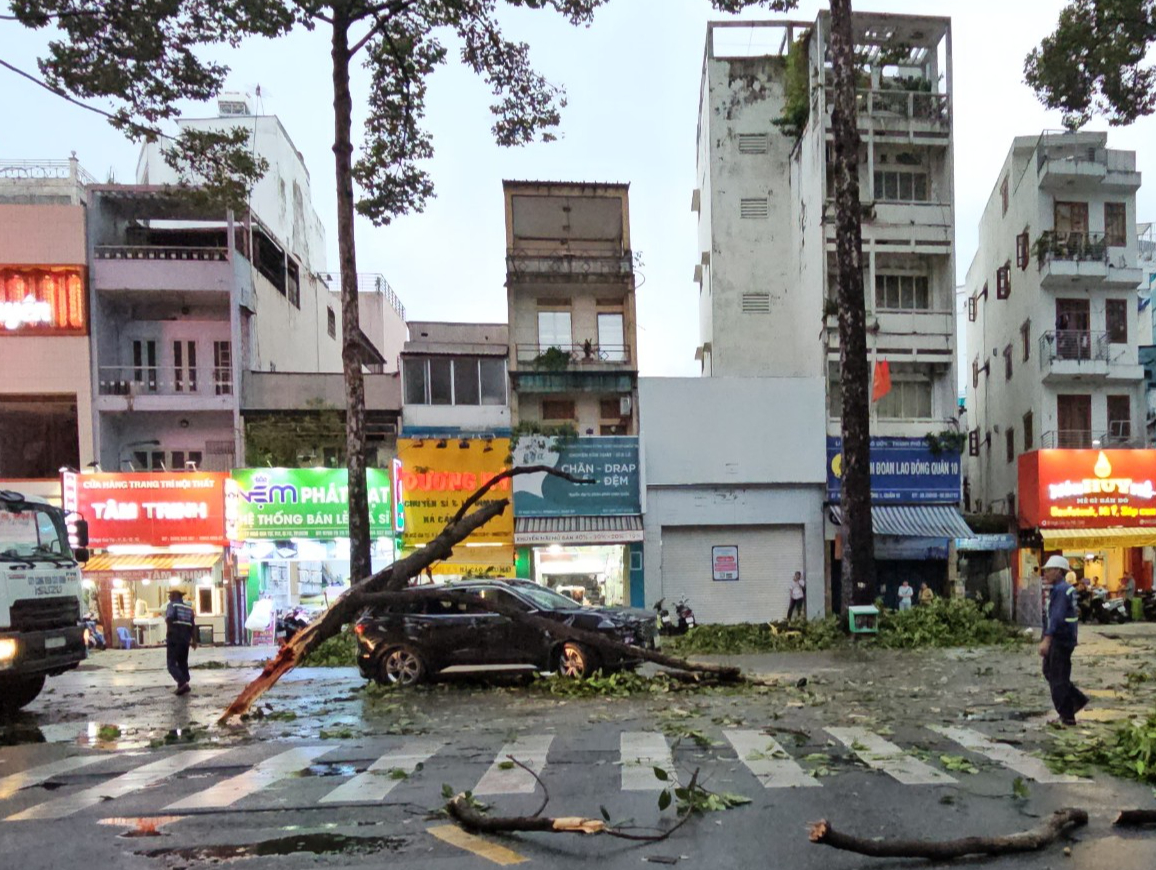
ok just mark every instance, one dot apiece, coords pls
pixel 41 634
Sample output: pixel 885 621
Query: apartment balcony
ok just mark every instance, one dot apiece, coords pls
pixel 923 227
pixel 930 332
pixel 582 367
pixel 311 391
pixel 158 388
pixel 1068 163
pixel 1080 354
pixel 1120 437
pixel 143 268
pixel 911 115
pixel 589 266
pixel 1084 260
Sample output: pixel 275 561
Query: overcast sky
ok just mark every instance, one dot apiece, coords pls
pixel 633 83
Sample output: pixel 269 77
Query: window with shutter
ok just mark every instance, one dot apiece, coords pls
pixel 975 373
pixel 1116 224
pixel 1029 431
pixel 973 443
pixel 1003 282
pixel 1010 438
pixel 1116 315
pixel 1026 339
pixel 1023 249
pixel 972 308
pixel 1007 363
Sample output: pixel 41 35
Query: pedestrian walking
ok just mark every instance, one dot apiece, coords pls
pixel 905 595
pixel 180 636
pixel 798 596
pixel 1060 637
pixel 926 596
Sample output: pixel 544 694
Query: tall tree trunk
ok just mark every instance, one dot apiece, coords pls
pixel 859 544
pixel 359 538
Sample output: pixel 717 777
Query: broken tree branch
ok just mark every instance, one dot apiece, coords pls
pixel 1135 818
pixel 1025 841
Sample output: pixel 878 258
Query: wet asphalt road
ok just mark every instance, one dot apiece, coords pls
pixel 333 776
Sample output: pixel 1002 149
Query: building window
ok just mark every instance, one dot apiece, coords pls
pixel 493 377
pixel 910 394
pixel 834 392
pixel 1010 438
pixel 458 381
pixel 902 186
pixel 1116 224
pixel 1007 363
pixel 1029 431
pixel 1003 194
pixel 1026 339
pixel 559 409
pixel 1003 281
pixel 1071 217
pixel 441 381
pixel 185 366
pixel 611 337
pixel 293 283
pixel 1116 315
pixel 610 409
pixel 1023 250
pixel 751 208
pixel 223 368
pixel 413 372
pixel 554 330
pixel 467 389
pixel 1119 419
pixel 331 322
pixel 902 292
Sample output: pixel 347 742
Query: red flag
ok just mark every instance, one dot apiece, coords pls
pixel 881 383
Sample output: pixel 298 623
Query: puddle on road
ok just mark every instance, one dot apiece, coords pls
pixel 316 844
pixel 330 769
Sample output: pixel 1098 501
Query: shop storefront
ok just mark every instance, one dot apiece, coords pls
pixel 151 533
pixel 433 478
pixel 914 514
pixel 1097 508
pixel 289 528
pixel 584 540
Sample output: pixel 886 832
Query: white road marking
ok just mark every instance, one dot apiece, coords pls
pixel 641 752
pixel 1008 756
pixel 9 785
pixel 135 780
pixel 768 761
pixel 881 755
pixel 266 773
pixel 375 783
pixel 531 751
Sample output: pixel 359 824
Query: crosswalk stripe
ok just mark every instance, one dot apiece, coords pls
pixel 135 780
pixel 768 761
pixel 503 779
pixel 882 755
pixel 641 752
pixel 11 784
pixel 266 773
pixel 375 783
pixel 1008 756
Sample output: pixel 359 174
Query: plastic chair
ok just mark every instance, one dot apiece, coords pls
pixel 125 638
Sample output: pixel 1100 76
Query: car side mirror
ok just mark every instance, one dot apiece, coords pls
pixel 81 554
pixel 81 532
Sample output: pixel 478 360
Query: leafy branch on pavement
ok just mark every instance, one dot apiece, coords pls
pixel 945 850
pixel 1127 751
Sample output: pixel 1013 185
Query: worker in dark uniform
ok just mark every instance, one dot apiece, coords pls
pixel 181 635
pixel 1060 641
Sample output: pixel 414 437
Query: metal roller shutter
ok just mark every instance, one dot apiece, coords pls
pixel 768 558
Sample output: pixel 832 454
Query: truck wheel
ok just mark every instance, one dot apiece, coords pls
pixel 16 692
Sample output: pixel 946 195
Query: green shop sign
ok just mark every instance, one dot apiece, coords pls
pixel 279 503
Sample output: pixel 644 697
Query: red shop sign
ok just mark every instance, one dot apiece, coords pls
pixel 1087 489
pixel 157 509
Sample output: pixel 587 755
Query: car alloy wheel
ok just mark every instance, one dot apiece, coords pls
pixel 574 661
pixel 403 667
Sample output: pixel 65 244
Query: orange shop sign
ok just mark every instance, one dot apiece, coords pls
pixel 1087 489
pixel 42 300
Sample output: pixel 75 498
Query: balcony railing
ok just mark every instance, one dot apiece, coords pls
pixel 160 252
pixel 548 357
pixel 133 380
pixel 1071 247
pixel 576 264
pixel 1120 437
pixel 1072 345
pixel 914 105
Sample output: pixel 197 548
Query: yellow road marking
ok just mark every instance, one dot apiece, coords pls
pixel 455 836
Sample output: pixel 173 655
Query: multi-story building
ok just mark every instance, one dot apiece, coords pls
pixel 45 393
pixel 765 263
pixel 1053 330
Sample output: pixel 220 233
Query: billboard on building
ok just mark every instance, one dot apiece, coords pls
pixel 903 471
pixel 312 503
pixel 610 462
pixel 43 300
pixel 1087 489
pixel 157 509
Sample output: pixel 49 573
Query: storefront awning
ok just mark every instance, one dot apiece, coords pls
pixel 107 563
pixel 577 530
pixel 1083 539
pixel 914 521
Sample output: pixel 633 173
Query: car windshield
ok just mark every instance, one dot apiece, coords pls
pixel 547 598
pixel 30 533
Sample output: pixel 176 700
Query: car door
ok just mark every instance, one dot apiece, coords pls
pixel 448 630
pixel 508 642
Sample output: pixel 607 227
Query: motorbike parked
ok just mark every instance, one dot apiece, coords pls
pixel 1100 607
pixel 93 637
pixel 1148 604
pixel 682 622
pixel 291 622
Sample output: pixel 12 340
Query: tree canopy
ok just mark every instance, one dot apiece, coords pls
pixel 1093 63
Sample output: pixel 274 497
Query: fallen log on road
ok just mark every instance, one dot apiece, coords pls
pixel 1135 818
pixel 945 850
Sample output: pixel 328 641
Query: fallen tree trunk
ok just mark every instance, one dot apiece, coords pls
pixel 1135 818
pixel 460 809
pixel 1026 841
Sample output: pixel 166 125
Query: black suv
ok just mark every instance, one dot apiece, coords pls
pixel 406 644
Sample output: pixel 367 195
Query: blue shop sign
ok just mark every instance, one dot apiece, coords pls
pixel 610 462
pixel 903 471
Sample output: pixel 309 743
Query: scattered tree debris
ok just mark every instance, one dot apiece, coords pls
pixel 1135 818
pixel 1025 841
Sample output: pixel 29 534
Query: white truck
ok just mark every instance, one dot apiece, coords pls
pixel 41 634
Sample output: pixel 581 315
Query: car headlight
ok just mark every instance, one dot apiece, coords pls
pixel 7 649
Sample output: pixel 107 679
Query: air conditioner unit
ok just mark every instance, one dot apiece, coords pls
pixel 625 406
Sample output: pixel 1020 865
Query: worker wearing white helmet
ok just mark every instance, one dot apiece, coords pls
pixel 1060 630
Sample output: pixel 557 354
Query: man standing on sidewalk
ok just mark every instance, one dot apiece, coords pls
pixel 1060 641
pixel 181 635
pixel 798 596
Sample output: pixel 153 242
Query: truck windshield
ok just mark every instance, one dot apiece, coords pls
pixel 29 533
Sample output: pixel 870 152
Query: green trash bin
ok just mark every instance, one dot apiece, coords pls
pixel 863 619
pixel 205 635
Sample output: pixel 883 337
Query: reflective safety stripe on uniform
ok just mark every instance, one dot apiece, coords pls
pixel 266 773
pixel 504 777
pixel 642 751
pixel 376 781
pixel 1008 756
pixel 768 761
pixel 9 785
pixel 889 758
pixel 140 778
